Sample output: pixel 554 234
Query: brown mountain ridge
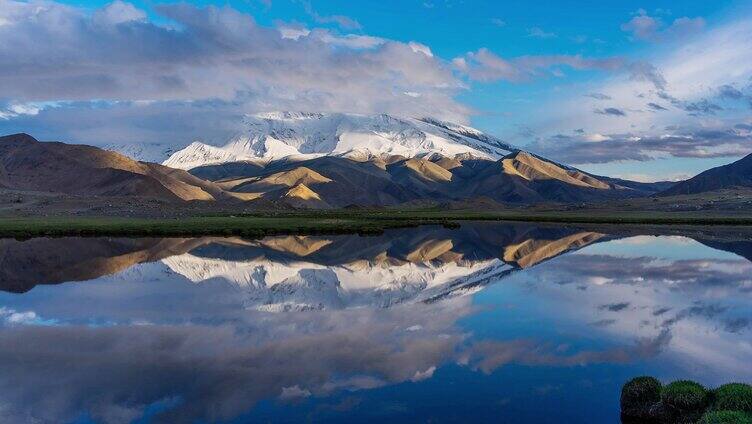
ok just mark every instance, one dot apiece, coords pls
pixel 322 182
pixel 29 165
pixel 339 181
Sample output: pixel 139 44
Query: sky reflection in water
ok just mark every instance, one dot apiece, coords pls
pixel 491 321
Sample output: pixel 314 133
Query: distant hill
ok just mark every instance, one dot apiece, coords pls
pixel 29 165
pixel 737 174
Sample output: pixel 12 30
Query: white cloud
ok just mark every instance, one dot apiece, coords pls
pixel 679 93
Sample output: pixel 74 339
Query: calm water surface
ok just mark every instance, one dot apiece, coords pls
pixel 490 322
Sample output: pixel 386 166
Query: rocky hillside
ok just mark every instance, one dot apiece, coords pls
pixel 29 165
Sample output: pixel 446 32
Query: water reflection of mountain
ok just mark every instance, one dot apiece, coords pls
pixel 398 265
pixel 332 272
pixel 200 357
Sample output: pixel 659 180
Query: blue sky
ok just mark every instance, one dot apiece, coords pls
pixel 644 90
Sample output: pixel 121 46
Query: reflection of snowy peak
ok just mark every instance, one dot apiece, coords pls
pixel 277 286
pixel 282 134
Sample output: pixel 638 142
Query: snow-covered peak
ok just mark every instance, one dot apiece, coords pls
pixel 198 154
pixel 277 135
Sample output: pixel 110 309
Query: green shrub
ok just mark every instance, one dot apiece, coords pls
pixel 685 395
pixel 733 397
pixel 639 394
pixel 725 417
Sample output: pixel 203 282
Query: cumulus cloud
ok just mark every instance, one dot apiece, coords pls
pixel 648 28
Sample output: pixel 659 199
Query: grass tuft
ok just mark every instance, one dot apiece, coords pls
pixel 733 397
pixel 685 395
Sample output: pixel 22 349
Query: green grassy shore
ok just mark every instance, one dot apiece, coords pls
pixel 246 226
pixel 330 222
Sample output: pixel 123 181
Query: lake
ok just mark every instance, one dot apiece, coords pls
pixel 490 322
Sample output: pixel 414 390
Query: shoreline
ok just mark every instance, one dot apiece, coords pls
pixel 338 222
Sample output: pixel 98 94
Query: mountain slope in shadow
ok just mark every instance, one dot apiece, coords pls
pixel 737 174
pixel 341 181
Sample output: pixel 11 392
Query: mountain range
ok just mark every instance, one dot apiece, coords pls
pixel 313 160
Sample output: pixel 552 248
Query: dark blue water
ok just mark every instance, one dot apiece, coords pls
pixel 490 322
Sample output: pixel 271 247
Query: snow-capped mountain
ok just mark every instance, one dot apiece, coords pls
pixel 278 135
